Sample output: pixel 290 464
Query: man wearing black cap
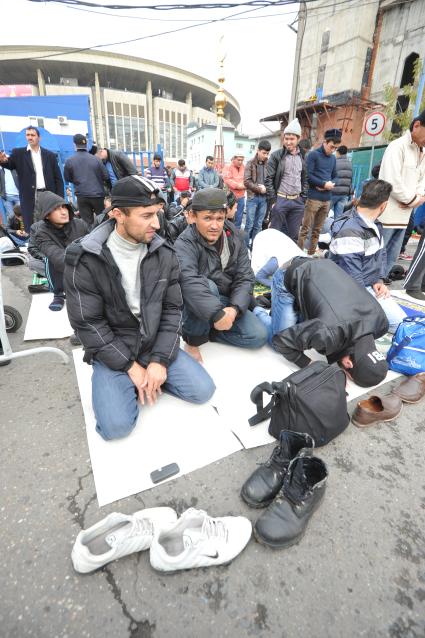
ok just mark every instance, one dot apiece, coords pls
pixel 124 303
pixel 321 171
pixel 216 278
pixel 89 176
pixel 318 305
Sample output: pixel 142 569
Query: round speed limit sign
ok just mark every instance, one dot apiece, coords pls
pixel 375 123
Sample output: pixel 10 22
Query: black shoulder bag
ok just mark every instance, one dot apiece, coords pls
pixel 312 400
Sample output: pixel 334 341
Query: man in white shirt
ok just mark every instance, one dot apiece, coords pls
pixel 37 170
pixel 403 166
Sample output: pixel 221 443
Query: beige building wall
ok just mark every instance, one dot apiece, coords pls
pixel 341 61
pixel 402 33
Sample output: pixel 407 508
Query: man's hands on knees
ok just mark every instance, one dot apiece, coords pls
pixel 156 374
pixel 381 291
pixel 148 381
pixel 226 322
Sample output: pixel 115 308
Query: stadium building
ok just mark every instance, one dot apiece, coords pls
pixel 135 104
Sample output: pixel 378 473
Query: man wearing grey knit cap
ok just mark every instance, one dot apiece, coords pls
pixel 286 183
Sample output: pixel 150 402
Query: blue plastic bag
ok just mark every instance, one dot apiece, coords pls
pixel 407 351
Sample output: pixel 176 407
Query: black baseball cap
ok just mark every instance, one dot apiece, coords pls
pixel 369 365
pixel 135 191
pixel 80 140
pixel 333 134
pixel 209 199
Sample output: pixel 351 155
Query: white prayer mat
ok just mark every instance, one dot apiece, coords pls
pixel 43 323
pixel 172 431
pixel 401 294
pixel 237 371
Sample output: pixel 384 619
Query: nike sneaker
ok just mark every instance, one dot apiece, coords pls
pixel 198 540
pixel 118 535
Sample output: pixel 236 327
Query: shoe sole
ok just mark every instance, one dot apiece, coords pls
pixel 409 401
pixel 359 425
pixel 293 541
pixel 187 569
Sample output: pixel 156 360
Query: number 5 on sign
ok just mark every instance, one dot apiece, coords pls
pixel 375 123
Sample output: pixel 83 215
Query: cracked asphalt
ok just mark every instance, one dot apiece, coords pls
pixel 359 570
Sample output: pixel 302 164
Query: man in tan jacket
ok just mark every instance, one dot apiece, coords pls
pixel 233 176
pixel 403 166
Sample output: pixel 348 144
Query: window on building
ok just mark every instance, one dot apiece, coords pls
pixel 142 128
pixel 407 77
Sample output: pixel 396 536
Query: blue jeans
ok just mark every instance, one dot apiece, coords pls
pixel 337 203
pixel 114 394
pixel 393 240
pixel 7 208
pixel 394 313
pixel 239 211
pixel 256 209
pixel 246 332
pixel 283 314
pixel 287 215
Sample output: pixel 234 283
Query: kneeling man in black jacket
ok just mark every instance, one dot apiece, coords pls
pixel 315 304
pixel 216 278
pixel 124 303
pixel 49 238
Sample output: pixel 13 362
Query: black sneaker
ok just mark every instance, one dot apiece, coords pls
pixel 37 288
pixel 263 485
pixel 416 294
pixel 75 341
pixel 284 523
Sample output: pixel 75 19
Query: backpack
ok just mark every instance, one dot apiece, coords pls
pixel 407 351
pixel 312 401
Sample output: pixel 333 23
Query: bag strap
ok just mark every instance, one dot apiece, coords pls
pixel 263 412
pixel 292 406
pixel 400 346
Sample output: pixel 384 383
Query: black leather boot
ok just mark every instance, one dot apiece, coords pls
pixel 285 521
pixel 263 485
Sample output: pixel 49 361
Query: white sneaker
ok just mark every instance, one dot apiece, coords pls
pixel 118 535
pixel 197 540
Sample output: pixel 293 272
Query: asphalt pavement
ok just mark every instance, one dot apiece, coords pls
pixel 359 570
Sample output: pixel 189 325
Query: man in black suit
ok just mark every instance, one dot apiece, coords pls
pixel 37 170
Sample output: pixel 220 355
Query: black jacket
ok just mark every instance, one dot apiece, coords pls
pixel 344 176
pixel 274 172
pixel 51 241
pixel 21 161
pixel 88 174
pixel 121 164
pixel 336 312
pixel 98 309
pixel 33 248
pixel 199 261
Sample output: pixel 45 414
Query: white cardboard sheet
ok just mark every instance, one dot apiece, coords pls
pixel 43 323
pixel 172 431
pixel 237 371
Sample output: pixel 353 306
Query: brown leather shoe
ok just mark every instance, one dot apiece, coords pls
pixel 411 389
pixel 375 409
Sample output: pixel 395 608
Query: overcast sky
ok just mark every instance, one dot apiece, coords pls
pixel 259 50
